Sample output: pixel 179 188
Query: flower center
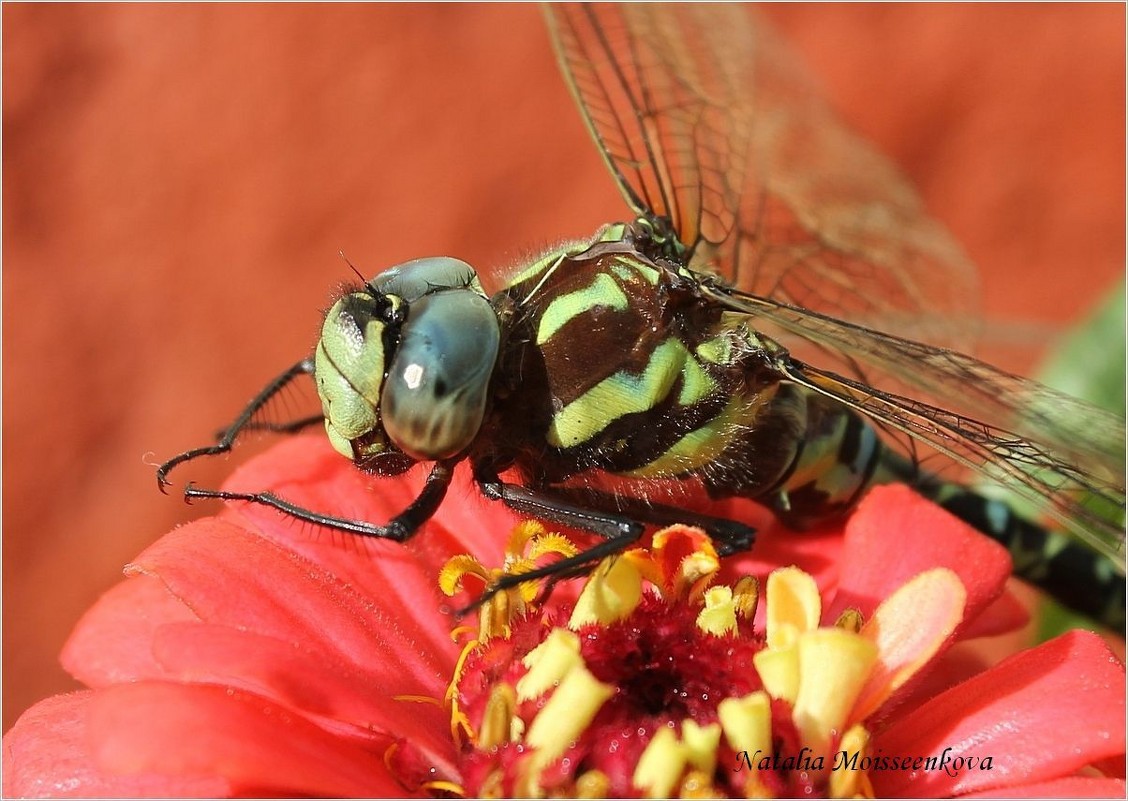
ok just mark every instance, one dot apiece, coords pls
pixel 664 665
pixel 671 689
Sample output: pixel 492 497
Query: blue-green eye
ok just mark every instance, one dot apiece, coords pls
pixel 435 394
pixel 414 279
pixel 408 360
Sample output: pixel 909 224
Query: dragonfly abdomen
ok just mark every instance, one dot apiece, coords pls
pixel 833 453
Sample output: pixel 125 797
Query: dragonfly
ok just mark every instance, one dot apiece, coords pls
pixel 731 335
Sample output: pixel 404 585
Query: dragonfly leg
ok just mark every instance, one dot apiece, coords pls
pixel 561 507
pixel 289 427
pixel 589 510
pixel 399 528
pixel 569 567
pixel 729 536
pixel 620 528
pixel 241 423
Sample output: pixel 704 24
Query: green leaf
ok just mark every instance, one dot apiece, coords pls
pixel 1089 362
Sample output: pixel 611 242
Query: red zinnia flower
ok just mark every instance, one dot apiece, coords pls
pixel 247 654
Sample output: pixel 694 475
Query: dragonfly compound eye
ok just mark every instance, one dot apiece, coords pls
pixel 414 279
pixel 440 351
pixel 435 395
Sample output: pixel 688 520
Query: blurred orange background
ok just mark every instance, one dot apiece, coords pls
pixel 179 179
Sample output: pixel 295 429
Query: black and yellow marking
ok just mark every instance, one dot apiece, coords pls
pixel 636 391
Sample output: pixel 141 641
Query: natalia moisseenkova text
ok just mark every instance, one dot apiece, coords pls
pixel 805 760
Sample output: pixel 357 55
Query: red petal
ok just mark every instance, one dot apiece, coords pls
pixel 816 552
pixel 233 578
pixel 198 730
pixel 1005 614
pixel 1040 715
pixel 895 534
pixel 310 680
pixel 308 472
pixel 1113 767
pixel 47 754
pixel 1071 787
pixel 957 664
pixel 330 630
pixel 112 643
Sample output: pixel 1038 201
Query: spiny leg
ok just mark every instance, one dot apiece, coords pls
pixel 611 515
pixel 289 427
pixel 587 510
pixel 569 567
pixel 729 536
pixel 399 528
pixel 304 367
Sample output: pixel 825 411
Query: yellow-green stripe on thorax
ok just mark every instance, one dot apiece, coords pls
pixel 623 392
pixel 641 376
pixel 614 352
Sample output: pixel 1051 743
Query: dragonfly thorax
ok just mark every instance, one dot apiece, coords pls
pixel 403 365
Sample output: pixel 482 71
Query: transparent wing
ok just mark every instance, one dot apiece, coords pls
pixel 1061 453
pixel 703 118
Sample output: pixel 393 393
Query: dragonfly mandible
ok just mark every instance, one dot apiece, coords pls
pixel 730 335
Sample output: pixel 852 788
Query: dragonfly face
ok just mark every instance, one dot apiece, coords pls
pixel 730 335
pixel 403 366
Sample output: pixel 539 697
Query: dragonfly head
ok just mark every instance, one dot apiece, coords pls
pixel 403 365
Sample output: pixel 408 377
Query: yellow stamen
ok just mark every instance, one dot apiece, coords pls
pixel 497 720
pixel 527 542
pixel 566 714
pixel 522 533
pixel 850 620
pixel 556 544
pixel 612 592
pixel 779 671
pixel 458 632
pixel 833 667
pixel 515 566
pixel 390 752
pixel 695 571
pixel 549 663
pixel 700 745
pixel 459 723
pixel 718 617
pixel 747 722
pixel 747 595
pixel 747 725
pixel 457 568
pixel 660 766
pixel 495 614
pixel 844 781
pixel 697 784
pixel 592 784
pixel 418 699
pixel 444 787
pixel 493 786
pixel 793 603
pixel 669 763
